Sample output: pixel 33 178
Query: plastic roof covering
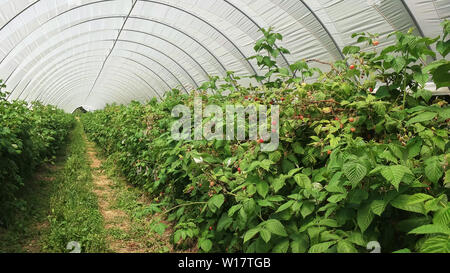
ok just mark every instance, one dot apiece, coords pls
pixel 73 53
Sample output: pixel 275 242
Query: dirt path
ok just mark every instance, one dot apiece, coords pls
pixel 124 233
pixel 113 218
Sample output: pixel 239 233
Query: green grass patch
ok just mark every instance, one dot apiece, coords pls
pixel 75 215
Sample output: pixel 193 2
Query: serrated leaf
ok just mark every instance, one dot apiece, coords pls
pixel 426 116
pixel 431 229
pixel 321 247
pixel 275 227
pixel 346 247
pixel 419 198
pixel 378 207
pixel 250 234
pixel 364 217
pixel 433 169
pixel 442 217
pixel 402 202
pixel 355 172
pixel 394 174
pixel 303 181
pixel 437 244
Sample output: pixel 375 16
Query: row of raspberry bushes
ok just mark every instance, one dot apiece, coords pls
pixel 353 166
pixel 30 134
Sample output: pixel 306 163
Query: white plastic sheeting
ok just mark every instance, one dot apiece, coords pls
pixel 92 52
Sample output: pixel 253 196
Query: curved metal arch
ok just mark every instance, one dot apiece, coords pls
pixel 133 4
pixel 71 96
pixel 48 91
pixel 413 18
pixel 75 82
pixel 18 14
pixel 116 95
pixel 170 72
pixel 52 93
pixel 155 21
pixel 324 28
pixel 123 75
pixel 114 85
pixel 50 19
pixel 129 41
pixel 36 88
pixel 129 79
pixel 81 6
pixel 55 70
pixel 207 23
pixel 109 40
pixel 104 99
pixel 148 68
pixel 156 36
pixel 69 75
pixel 257 25
pixel 46 74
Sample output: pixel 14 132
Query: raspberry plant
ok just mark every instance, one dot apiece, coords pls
pixel 353 166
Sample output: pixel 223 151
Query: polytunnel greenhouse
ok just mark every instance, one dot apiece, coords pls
pixel 224 127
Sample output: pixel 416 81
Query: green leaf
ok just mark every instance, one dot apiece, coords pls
pixel 275 227
pixel 346 247
pixel 437 244
pixel 433 169
pixel 394 174
pixel 217 200
pixel 298 149
pixel 431 229
pixel 206 245
pixel 426 116
pixel 421 78
pixel 307 209
pixel 233 209
pixel 224 222
pixel 364 217
pixel 404 250
pixel 283 71
pixel 303 181
pixel 351 50
pixel 378 206
pixel 419 198
pixel 262 188
pixel 265 235
pixel 442 217
pixel 281 247
pixel 413 147
pixel 355 172
pixel 398 64
pixel 300 243
pixel 285 206
pixel 403 202
pixel 443 47
pixel 275 156
pixel 441 76
pixel 251 233
pixel 321 247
